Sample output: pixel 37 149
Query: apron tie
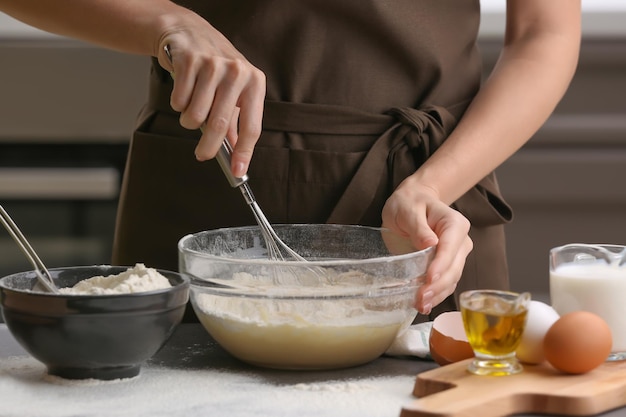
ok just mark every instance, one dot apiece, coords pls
pixel 413 134
pixel 398 153
pixel 406 138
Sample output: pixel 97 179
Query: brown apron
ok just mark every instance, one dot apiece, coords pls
pixel 339 134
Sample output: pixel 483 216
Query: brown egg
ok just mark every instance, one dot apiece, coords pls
pixel 448 341
pixel 578 342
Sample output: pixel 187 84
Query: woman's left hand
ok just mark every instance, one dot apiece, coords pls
pixel 418 213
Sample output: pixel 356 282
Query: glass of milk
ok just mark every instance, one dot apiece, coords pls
pixel 592 278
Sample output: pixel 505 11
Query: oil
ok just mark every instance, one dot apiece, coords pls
pixel 493 332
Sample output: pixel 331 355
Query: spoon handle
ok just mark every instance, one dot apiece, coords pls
pixel 40 269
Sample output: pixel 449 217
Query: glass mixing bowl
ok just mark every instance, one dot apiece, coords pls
pixel 343 307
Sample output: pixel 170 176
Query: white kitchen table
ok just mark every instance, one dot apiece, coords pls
pixel 192 376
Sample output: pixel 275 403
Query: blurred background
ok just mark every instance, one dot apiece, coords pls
pixel 67 111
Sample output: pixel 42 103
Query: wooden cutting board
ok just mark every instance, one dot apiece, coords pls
pixel 451 391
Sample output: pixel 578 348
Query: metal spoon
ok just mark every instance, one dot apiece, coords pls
pixel 40 269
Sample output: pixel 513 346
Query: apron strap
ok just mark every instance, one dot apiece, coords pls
pixel 406 138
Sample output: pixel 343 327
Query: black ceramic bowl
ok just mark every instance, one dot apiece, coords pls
pixel 91 336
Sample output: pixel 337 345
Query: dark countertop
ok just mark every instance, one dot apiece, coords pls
pixel 193 376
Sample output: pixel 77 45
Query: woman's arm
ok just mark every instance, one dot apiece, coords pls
pixel 132 26
pixel 537 63
pixel 215 85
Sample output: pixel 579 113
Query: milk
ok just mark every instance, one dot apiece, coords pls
pixel 596 287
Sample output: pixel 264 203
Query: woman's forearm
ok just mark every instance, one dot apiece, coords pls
pixel 133 26
pixel 215 86
pixel 531 76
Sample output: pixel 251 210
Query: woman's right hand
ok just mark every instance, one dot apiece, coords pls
pixel 215 88
pixel 215 85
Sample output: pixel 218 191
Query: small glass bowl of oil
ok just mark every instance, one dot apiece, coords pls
pixel 494 322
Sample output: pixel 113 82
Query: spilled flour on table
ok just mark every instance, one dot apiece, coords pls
pixel 27 368
pixel 336 387
pixel 28 391
pixel 53 379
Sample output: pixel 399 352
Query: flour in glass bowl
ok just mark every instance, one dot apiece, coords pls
pixel 306 333
pixel 133 280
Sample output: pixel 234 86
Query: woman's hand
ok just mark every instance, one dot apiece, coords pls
pixel 417 213
pixel 215 88
pixel 215 85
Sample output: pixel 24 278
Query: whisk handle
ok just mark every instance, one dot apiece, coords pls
pixel 223 158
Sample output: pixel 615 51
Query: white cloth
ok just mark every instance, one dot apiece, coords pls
pixel 412 342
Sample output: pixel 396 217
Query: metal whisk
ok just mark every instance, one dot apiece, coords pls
pixel 273 243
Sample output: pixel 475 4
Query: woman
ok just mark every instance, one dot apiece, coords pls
pixel 357 111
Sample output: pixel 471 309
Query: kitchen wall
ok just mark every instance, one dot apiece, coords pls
pixel 66 113
pixel 67 109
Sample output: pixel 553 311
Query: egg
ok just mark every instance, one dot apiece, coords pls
pixel 578 342
pixel 448 341
pixel 539 319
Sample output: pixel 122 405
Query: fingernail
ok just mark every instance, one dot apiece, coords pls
pixel 427 309
pixel 240 169
pixel 427 300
